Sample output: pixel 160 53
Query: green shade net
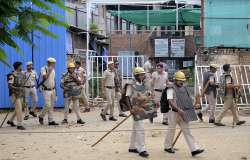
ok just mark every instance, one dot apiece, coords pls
pixel 162 17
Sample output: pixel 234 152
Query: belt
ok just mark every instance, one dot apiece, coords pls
pixel 158 90
pixel 110 87
pixel 49 89
pixel 29 86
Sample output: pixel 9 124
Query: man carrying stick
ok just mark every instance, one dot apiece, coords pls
pixel 181 112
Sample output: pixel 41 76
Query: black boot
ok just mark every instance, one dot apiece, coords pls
pixel 112 119
pixel 65 121
pixel 26 117
pixel 80 121
pixel 240 123
pixel 11 124
pixel 200 116
pixel 20 128
pixel 33 114
pixel 198 151
pixel 40 120
pixel 53 123
pixel 144 154
pixel 211 121
pixel 169 150
pixel 103 117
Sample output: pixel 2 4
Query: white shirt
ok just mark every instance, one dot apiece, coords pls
pixel 109 78
pixel 171 94
pixel 159 80
pixel 147 66
pixel 50 82
pixel 30 78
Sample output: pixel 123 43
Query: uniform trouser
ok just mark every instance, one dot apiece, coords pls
pixel 33 93
pixel 174 119
pixel 137 139
pixel 75 104
pixel 157 99
pixel 118 97
pixel 49 100
pixel 110 95
pixel 211 105
pixel 83 98
pixel 17 102
pixel 228 105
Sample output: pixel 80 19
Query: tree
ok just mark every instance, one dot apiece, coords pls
pixel 19 18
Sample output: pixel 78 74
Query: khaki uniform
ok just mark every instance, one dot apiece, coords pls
pixel 173 119
pixel 16 82
pixel 109 87
pixel 49 94
pixel 118 88
pixel 30 90
pixel 83 98
pixel 158 86
pixel 72 93
pixel 228 105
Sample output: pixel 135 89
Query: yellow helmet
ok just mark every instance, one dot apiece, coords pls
pixel 139 70
pixel 180 76
pixel 71 65
pixel 214 66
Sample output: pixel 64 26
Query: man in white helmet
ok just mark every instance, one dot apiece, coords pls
pixel 108 87
pixel 181 112
pixel 71 84
pixel 30 90
pixel 139 96
pixel 48 87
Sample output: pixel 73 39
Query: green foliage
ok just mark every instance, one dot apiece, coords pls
pixel 25 20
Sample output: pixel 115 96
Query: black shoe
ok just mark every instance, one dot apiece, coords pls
pixel 80 121
pixel 33 114
pixel 165 123
pixel 211 121
pixel 112 119
pixel 133 150
pixel 122 115
pixel 144 154
pixel 65 121
pixel 107 114
pixel 198 151
pixel 200 116
pixel 219 124
pixel 20 128
pixel 151 120
pixel 12 124
pixel 169 150
pixel 103 117
pixel 26 117
pixel 40 120
pixel 70 110
pixel 86 110
pixel 53 123
pixel 240 123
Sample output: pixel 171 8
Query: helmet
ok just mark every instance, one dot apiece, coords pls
pixel 214 66
pixel 110 62
pixel 139 70
pixel 180 76
pixel 51 60
pixel 71 65
pixel 29 63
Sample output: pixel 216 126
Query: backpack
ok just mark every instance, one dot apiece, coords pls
pixel 123 101
pixel 164 101
pixel 8 78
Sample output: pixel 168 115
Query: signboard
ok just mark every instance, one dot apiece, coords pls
pixel 177 47
pixel 193 2
pixel 161 47
pixel 187 63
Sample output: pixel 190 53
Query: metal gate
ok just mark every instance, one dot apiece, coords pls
pixel 98 64
pixel 241 75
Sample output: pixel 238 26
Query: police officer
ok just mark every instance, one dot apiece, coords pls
pixel 30 90
pixel 49 91
pixel 83 98
pixel 210 92
pixel 159 81
pixel 118 87
pixel 228 91
pixel 181 113
pixel 139 94
pixel 16 82
pixel 109 91
pixel 71 84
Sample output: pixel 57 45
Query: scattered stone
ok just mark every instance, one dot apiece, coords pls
pixel 116 152
pixel 3 144
pixel 54 151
